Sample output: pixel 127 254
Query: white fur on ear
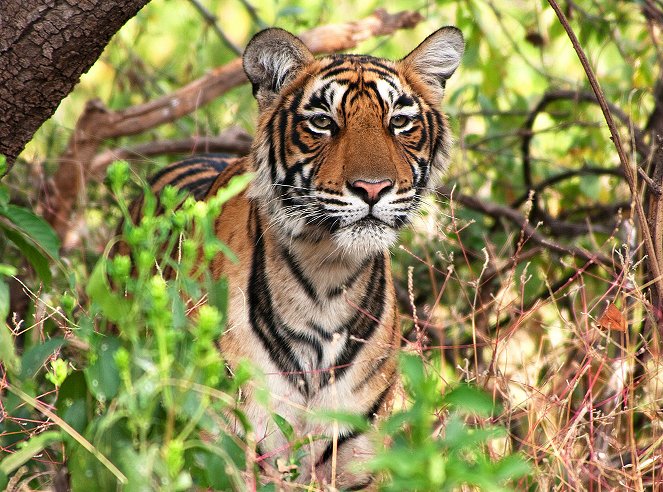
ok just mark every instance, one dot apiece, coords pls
pixel 437 57
pixel 271 59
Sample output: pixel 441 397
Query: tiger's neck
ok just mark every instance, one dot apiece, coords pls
pixel 313 308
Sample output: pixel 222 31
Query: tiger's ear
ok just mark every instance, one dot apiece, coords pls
pixel 436 58
pixel 273 58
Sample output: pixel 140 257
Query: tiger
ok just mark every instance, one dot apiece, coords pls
pixel 345 148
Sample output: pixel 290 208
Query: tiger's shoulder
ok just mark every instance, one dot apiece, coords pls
pixel 200 175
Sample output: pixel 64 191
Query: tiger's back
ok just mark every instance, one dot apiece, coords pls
pixel 345 148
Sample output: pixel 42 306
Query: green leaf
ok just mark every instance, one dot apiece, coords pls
pixel 4 300
pixel 7 270
pixel 34 357
pixel 31 447
pixel 102 375
pixel 413 370
pixel 284 426
pixel 467 399
pixel 38 261
pixel 4 196
pixel 218 294
pixel 36 228
pixel 72 401
pixel 112 305
pixel 8 355
pixel 357 421
pixel 511 467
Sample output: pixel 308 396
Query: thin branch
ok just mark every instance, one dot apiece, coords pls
pixel 575 96
pixel 629 171
pixel 583 171
pixel 253 13
pixel 211 20
pixel 497 211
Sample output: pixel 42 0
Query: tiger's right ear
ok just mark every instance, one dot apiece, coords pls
pixel 273 58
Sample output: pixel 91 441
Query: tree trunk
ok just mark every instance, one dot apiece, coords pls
pixel 45 46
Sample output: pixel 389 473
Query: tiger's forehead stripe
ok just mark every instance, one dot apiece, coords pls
pixel 343 79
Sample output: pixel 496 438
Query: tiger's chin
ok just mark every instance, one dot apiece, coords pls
pixel 365 238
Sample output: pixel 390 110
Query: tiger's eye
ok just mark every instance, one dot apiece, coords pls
pixel 321 121
pixel 399 121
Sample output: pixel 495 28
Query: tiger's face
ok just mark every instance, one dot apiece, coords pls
pixel 346 145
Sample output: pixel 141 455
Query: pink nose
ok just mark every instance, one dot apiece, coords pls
pixel 370 192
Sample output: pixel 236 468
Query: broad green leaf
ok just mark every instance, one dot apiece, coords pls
pixel 4 300
pixel 511 467
pixel 72 401
pixel 8 355
pixel 112 305
pixel 218 295
pixel 102 375
pixel 4 196
pixel 36 228
pixel 467 399
pixel 356 421
pixel 38 261
pixel 284 426
pixel 34 358
pixel 30 448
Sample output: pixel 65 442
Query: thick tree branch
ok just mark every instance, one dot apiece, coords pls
pixel 97 123
pixel 44 48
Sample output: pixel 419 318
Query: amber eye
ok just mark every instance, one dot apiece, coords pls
pixel 322 122
pixel 399 121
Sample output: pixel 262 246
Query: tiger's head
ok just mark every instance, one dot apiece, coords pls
pixel 347 144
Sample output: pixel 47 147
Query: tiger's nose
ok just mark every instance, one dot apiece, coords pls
pixel 370 192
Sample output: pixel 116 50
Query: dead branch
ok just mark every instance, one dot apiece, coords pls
pixel 531 233
pixel 98 123
pixel 234 140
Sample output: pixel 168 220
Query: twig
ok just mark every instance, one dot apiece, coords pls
pixel 253 13
pixel 584 170
pixel 502 211
pixel 211 20
pixel 576 96
pixel 629 171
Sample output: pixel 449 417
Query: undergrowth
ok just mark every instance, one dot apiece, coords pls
pixel 123 383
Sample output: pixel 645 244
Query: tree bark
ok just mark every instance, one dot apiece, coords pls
pixel 45 46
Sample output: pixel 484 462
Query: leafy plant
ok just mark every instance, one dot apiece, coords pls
pixel 432 448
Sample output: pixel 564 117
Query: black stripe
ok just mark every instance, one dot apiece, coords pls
pixel 372 412
pixel 324 334
pixel 305 339
pixel 329 450
pixel 361 485
pixel 205 181
pixel 299 275
pixel 266 322
pixel 337 291
pixel 362 326
pixel 208 161
pixel 374 370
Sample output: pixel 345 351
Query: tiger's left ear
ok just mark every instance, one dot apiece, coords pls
pixel 436 58
pixel 273 58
